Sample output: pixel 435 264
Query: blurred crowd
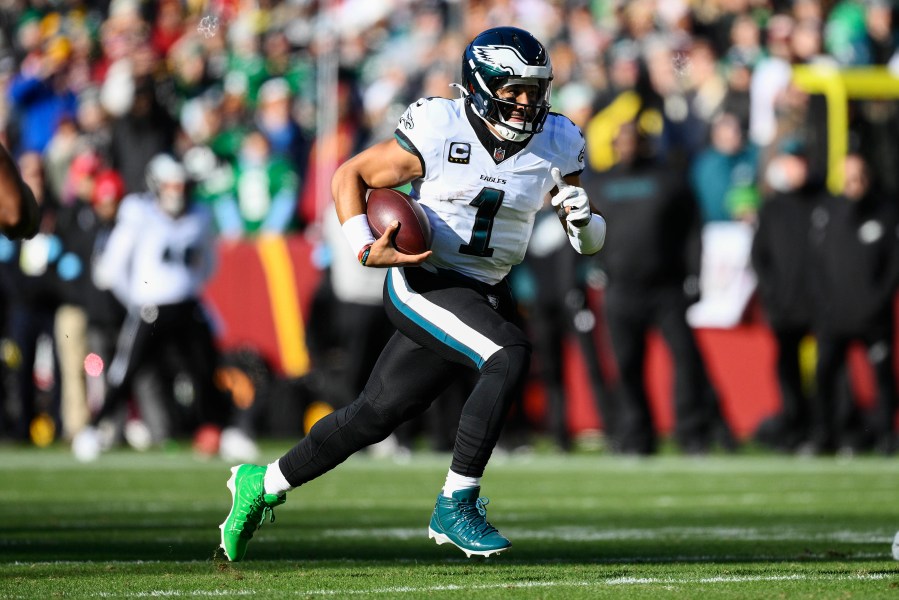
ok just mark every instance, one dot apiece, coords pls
pixel 691 117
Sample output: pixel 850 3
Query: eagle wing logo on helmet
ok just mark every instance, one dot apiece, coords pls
pixel 502 58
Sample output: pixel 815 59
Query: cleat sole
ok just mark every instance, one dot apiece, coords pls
pixel 443 539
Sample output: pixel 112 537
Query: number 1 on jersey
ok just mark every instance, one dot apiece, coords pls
pixel 487 202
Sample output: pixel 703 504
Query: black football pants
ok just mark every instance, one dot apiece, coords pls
pixel 151 333
pixel 445 323
pixel 831 417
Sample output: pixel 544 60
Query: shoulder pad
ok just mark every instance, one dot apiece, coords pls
pixel 566 138
pixel 437 115
pixel 133 207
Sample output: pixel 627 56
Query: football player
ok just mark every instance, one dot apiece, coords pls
pixel 480 166
pixel 158 258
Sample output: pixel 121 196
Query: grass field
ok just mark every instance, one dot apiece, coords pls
pixel 583 526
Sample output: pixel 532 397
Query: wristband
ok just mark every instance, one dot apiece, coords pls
pixel 363 254
pixel 358 234
pixel 589 238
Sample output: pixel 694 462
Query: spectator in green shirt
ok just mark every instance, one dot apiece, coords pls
pixel 263 196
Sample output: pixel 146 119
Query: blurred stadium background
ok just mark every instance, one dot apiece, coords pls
pixel 321 80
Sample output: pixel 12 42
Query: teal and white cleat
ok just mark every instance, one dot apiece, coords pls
pixel 249 507
pixel 462 521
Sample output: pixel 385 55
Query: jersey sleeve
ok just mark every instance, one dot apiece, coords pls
pixel 568 144
pixel 422 129
pixel 111 266
pixel 132 210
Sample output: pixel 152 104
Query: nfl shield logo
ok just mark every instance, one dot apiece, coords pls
pixel 499 154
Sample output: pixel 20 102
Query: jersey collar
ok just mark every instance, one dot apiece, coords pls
pixel 499 149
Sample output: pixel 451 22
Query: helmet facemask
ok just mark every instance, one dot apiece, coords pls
pixel 172 198
pixel 167 181
pixel 516 121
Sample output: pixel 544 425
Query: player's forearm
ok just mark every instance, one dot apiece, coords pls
pixel 348 189
pixel 11 213
pixel 19 212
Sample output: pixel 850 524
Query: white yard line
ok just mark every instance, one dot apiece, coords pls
pixel 599 583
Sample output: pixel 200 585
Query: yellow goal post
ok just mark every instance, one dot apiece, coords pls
pixel 839 86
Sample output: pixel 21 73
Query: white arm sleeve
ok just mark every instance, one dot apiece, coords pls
pixel 111 267
pixel 590 238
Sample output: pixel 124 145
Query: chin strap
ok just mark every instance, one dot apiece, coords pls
pixel 510 134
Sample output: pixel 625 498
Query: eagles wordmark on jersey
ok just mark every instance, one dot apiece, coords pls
pixel 482 201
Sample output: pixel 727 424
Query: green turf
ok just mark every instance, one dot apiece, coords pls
pixel 583 526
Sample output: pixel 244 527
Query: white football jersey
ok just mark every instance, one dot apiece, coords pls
pixel 153 259
pixel 482 207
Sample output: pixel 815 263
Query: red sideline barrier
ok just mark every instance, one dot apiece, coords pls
pixel 740 360
pixel 240 297
pixel 740 363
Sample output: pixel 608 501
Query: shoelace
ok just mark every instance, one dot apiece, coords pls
pixel 259 507
pixel 480 504
pixel 474 516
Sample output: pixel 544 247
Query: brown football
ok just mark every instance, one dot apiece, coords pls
pixel 387 205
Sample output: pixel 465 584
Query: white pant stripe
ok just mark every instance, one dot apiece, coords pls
pixel 440 322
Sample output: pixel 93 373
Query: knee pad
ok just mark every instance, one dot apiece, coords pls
pixel 357 425
pixel 511 361
pixel 373 417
